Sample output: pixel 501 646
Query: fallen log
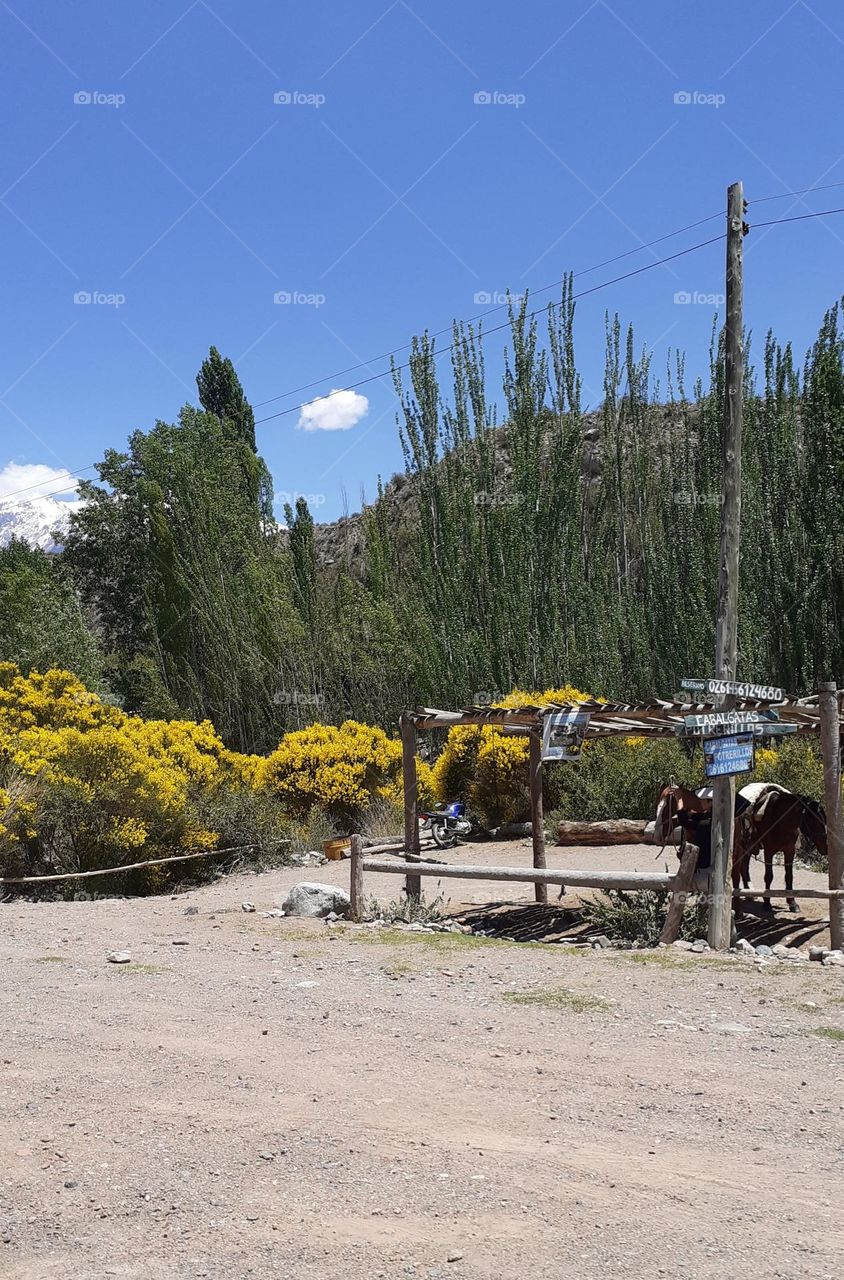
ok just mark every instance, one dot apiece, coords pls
pixel 613 831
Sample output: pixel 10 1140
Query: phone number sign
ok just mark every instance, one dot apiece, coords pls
pixel 728 755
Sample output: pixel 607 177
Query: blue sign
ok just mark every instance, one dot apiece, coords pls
pixel 725 756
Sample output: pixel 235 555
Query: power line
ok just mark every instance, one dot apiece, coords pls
pixel 798 217
pixel 555 284
pixel 341 373
pixel 804 192
pixel 823 213
pixel 375 377
pixel 64 475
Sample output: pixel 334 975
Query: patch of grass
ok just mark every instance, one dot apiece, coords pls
pixel 436 941
pixel 549 998
pixel 50 959
pixel 829 1033
pixel 140 968
pixel 665 958
pixel 406 910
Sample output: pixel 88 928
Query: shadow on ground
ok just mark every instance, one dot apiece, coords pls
pixel 536 922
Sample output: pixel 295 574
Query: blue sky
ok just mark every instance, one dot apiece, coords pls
pixel 380 197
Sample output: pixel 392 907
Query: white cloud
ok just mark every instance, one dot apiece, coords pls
pixel 35 479
pixel 337 411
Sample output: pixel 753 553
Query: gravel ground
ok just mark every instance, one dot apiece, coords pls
pixel 257 1097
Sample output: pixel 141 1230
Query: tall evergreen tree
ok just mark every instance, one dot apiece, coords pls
pixel 221 393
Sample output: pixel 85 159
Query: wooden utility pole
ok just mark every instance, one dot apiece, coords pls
pixel 537 818
pixel 407 729
pixel 726 618
pixel 829 707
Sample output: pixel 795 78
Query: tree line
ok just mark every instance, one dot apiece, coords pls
pixel 557 546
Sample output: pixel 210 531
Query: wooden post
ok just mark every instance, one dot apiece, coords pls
pixel 537 820
pixel 412 884
pixel 680 890
pixel 356 879
pixel 829 707
pixel 726 619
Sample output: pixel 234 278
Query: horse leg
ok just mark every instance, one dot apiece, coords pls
pixel 788 854
pixel 767 905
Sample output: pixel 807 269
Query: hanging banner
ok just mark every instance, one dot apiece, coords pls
pixel 723 757
pixel 563 734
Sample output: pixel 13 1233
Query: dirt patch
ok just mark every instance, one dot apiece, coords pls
pixel 285 1098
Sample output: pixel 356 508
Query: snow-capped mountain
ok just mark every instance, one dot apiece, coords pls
pixel 35 520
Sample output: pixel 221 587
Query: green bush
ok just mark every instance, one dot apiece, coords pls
pixel 638 917
pixel 619 778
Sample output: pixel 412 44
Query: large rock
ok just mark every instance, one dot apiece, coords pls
pixel 312 899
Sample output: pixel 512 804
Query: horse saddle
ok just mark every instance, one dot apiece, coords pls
pixel 758 809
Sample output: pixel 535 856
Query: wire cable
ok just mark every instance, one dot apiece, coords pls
pixel 804 192
pixel 798 217
pixel 802 217
pixel 375 377
pixel 555 284
pixel 64 475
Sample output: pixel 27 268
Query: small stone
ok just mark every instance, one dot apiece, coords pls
pixel 730 1028
pixel 180 942
pixel 834 958
pixel 745 948
pixel 817 953
pixel 119 957
pixel 247 906
pixel 700 944
pixel 454 1257
pixel 764 950
pixel 191 911
pixel 70 1184
pixel 601 942
pixel 682 944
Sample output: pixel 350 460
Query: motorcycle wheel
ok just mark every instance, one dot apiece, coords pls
pixel 443 838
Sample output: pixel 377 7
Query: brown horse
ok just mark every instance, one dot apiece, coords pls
pixel 677 806
pixel 774 820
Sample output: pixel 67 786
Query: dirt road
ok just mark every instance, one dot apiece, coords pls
pixel 256 1097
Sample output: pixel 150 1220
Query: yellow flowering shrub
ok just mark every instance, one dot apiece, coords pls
pixel 52 700
pixel 341 770
pixel 489 769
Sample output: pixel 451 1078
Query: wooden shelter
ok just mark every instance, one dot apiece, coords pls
pixel 817 714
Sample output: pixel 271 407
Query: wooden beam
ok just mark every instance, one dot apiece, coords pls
pixel 413 885
pixel 680 891
pixel 537 818
pixel 828 704
pixel 356 879
pixel 576 879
